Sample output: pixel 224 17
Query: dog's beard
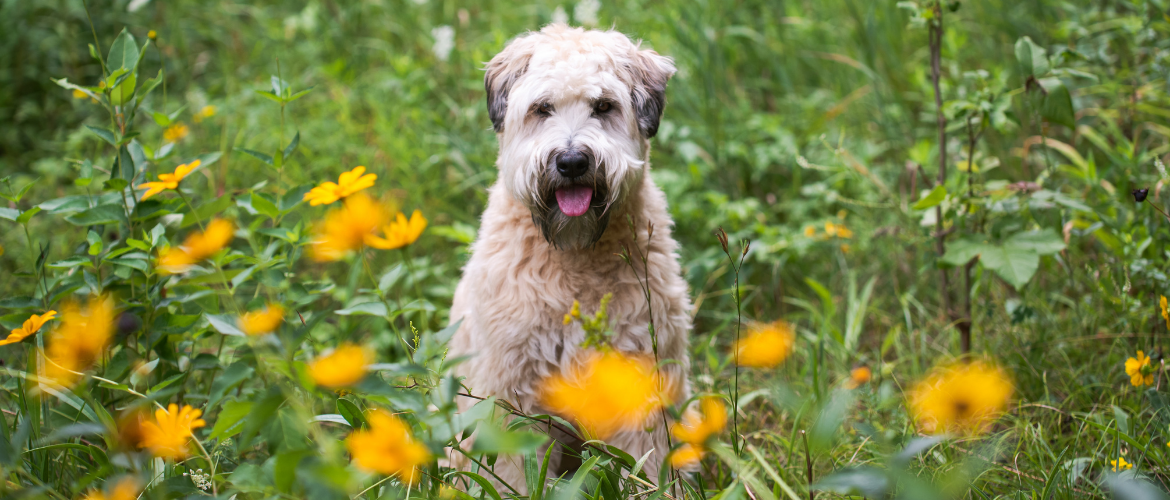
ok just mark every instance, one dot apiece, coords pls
pixel 565 232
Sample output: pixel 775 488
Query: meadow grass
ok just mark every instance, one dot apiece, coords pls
pixel 808 129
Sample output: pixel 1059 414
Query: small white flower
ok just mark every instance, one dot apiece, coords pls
pixel 559 16
pixel 444 41
pixel 586 12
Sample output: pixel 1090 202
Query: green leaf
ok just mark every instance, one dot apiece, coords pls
pixel 292 146
pixel 95 243
pixel 224 324
pixel 1015 265
pixel 869 482
pixel 285 470
pixel 298 95
pixel 270 95
pixel 123 53
pixel 369 308
pixel 9 213
pixel 1033 59
pixel 101 214
pixel 148 86
pixel 961 251
pixel 264 205
pixel 351 413
pixel 106 134
pixel 28 214
pixel 258 155
pixel 492 439
pixel 227 424
pixel 1058 106
pixel 936 196
pixel 1043 241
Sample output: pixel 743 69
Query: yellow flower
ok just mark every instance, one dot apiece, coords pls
pixel 348 228
pixel 345 366
pixel 1120 464
pixel 349 183
pixel 168 435
pixel 126 489
pixel 607 393
pixel 1139 370
pixel 175 133
pixel 168 181
pixel 30 326
pixel 695 429
pixel 810 231
pixel 837 230
pixel 858 377
pixel 152 34
pixel 400 233
pixel 204 113
pixel 1165 312
pixel 963 397
pixel 766 345
pixel 79 340
pixel 262 321
pixel 79 94
pixel 197 246
pixel 388 447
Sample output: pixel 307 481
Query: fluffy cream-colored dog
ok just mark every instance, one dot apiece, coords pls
pixel 574 111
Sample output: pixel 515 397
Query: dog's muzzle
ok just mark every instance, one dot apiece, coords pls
pixel 573 209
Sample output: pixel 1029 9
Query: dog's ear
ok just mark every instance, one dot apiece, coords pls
pixel 502 72
pixel 651 71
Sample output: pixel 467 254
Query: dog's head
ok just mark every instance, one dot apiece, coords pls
pixel 574 111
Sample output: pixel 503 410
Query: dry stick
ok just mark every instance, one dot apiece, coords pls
pixel 965 323
pixel 935 36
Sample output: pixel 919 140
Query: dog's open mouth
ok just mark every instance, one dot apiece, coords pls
pixel 574 200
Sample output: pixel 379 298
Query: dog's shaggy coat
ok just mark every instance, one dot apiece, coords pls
pixel 531 261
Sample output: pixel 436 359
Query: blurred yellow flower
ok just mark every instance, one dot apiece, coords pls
pixel 204 113
pixel 262 321
pixel 1165 311
pixel 1120 464
pixel 197 246
pixel 858 377
pixel 607 393
pixel 30 326
pixel 810 231
pixel 79 340
pixel 79 94
pixel 176 132
pixel 766 345
pixel 348 183
pixel 126 489
pixel 963 397
pixel 345 366
pixel 348 228
pixel 169 181
pixel 152 34
pixel 837 230
pixel 845 248
pixel 388 447
pixel 1139 369
pixel 400 232
pixel 168 435
pixel 695 429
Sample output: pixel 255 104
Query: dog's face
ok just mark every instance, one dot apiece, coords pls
pixel 574 111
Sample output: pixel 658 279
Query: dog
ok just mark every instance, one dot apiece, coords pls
pixel 574 111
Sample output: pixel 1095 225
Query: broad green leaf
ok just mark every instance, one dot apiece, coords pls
pixel 1033 59
pixel 369 308
pixel 352 414
pixel 101 214
pixel 1015 265
pixel 265 206
pixel 961 251
pixel 869 482
pixel 285 470
pixel 936 196
pixel 123 52
pixel 9 213
pixel 1043 242
pixel 1058 106
pixel 224 324
pixel 228 422
pixel 492 439
pixel 106 134
pixel 292 146
pixel 27 215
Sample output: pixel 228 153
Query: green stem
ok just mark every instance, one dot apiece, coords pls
pixel 385 303
pixel 417 288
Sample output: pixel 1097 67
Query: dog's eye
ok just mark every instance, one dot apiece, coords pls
pixel 544 109
pixel 602 107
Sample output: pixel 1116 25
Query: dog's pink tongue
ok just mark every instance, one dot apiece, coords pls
pixel 574 201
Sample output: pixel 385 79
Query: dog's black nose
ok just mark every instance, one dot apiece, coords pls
pixel 572 163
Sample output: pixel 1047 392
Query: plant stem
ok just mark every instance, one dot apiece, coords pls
pixel 935 37
pixel 808 464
